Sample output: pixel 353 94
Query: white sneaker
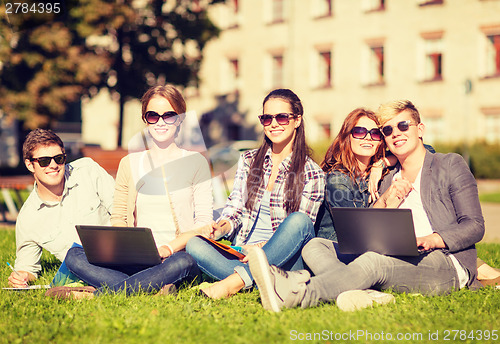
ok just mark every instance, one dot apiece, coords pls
pixel 353 300
pixel 278 288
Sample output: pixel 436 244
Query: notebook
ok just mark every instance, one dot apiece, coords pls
pixel 118 246
pixel 386 231
pixel 236 251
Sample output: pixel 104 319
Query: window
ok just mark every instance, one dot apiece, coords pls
pixel 430 57
pixel 229 15
pixel 327 130
pixel 277 71
pixel 230 76
pixel 234 14
pixel 373 69
pixel 493 55
pixel 433 60
pixel 322 69
pixel 373 5
pixel 321 8
pixel 277 11
pixel 274 11
pixel 491 124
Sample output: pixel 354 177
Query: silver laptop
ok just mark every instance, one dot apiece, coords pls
pixel 386 231
pixel 118 246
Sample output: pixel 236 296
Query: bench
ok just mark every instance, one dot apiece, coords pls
pixel 108 159
pixel 9 185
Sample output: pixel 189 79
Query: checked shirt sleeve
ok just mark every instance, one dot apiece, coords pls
pixel 314 190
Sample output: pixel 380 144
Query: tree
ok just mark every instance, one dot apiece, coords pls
pixel 46 64
pixel 163 44
pixel 51 61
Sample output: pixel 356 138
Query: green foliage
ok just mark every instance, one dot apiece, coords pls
pixel 484 158
pixel 490 197
pixel 50 62
pixel 319 149
pixel 46 65
pixel 29 317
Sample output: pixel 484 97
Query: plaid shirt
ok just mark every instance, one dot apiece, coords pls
pixel 242 219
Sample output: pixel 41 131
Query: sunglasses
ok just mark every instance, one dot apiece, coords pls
pixel 169 117
pixel 361 132
pixel 44 161
pixel 402 126
pixel 281 118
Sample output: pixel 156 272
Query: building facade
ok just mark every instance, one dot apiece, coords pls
pixel 341 54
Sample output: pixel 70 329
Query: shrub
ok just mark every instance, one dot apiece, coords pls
pixel 483 158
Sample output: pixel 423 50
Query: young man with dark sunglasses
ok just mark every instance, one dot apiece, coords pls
pixel 442 194
pixel 80 192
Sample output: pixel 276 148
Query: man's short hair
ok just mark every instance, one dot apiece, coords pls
pixel 40 137
pixel 389 110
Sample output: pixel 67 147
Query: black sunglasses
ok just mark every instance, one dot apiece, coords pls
pixel 402 126
pixel 281 118
pixel 44 161
pixel 361 132
pixel 169 117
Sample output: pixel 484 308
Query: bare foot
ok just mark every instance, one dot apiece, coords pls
pixel 168 289
pixel 225 288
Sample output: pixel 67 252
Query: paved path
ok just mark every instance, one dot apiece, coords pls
pixel 491 213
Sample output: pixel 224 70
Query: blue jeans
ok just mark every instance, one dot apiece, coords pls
pixel 175 269
pixel 283 250
pixel 430 274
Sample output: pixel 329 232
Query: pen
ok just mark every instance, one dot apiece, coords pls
pixel 10 266
pixel 17 273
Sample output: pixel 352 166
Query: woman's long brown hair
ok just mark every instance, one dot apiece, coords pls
pixel 339 156
pixel 294 184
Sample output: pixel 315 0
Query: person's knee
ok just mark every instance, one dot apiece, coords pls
pixel 185 260
pixel 194 246
pixel 185 263
pixel 73 258
pixel 312 248
pixel 299 223
pixel 371 260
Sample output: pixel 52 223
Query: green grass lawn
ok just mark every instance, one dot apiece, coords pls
pixel 29 317
pixel 490 197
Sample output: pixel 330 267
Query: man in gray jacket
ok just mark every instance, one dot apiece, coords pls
pixel 442 194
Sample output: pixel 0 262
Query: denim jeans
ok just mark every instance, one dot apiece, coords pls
pixel 178 267
pixel 430 274
pixel 283 250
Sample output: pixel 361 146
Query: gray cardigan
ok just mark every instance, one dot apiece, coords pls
pixel 450 199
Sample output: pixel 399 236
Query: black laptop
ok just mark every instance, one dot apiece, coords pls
pixel 118 246
pixel 386 231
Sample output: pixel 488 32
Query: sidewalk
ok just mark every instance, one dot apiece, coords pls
pixel 491 211
pixel 491 214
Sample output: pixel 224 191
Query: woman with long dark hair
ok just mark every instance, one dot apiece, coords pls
pixel 277 192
